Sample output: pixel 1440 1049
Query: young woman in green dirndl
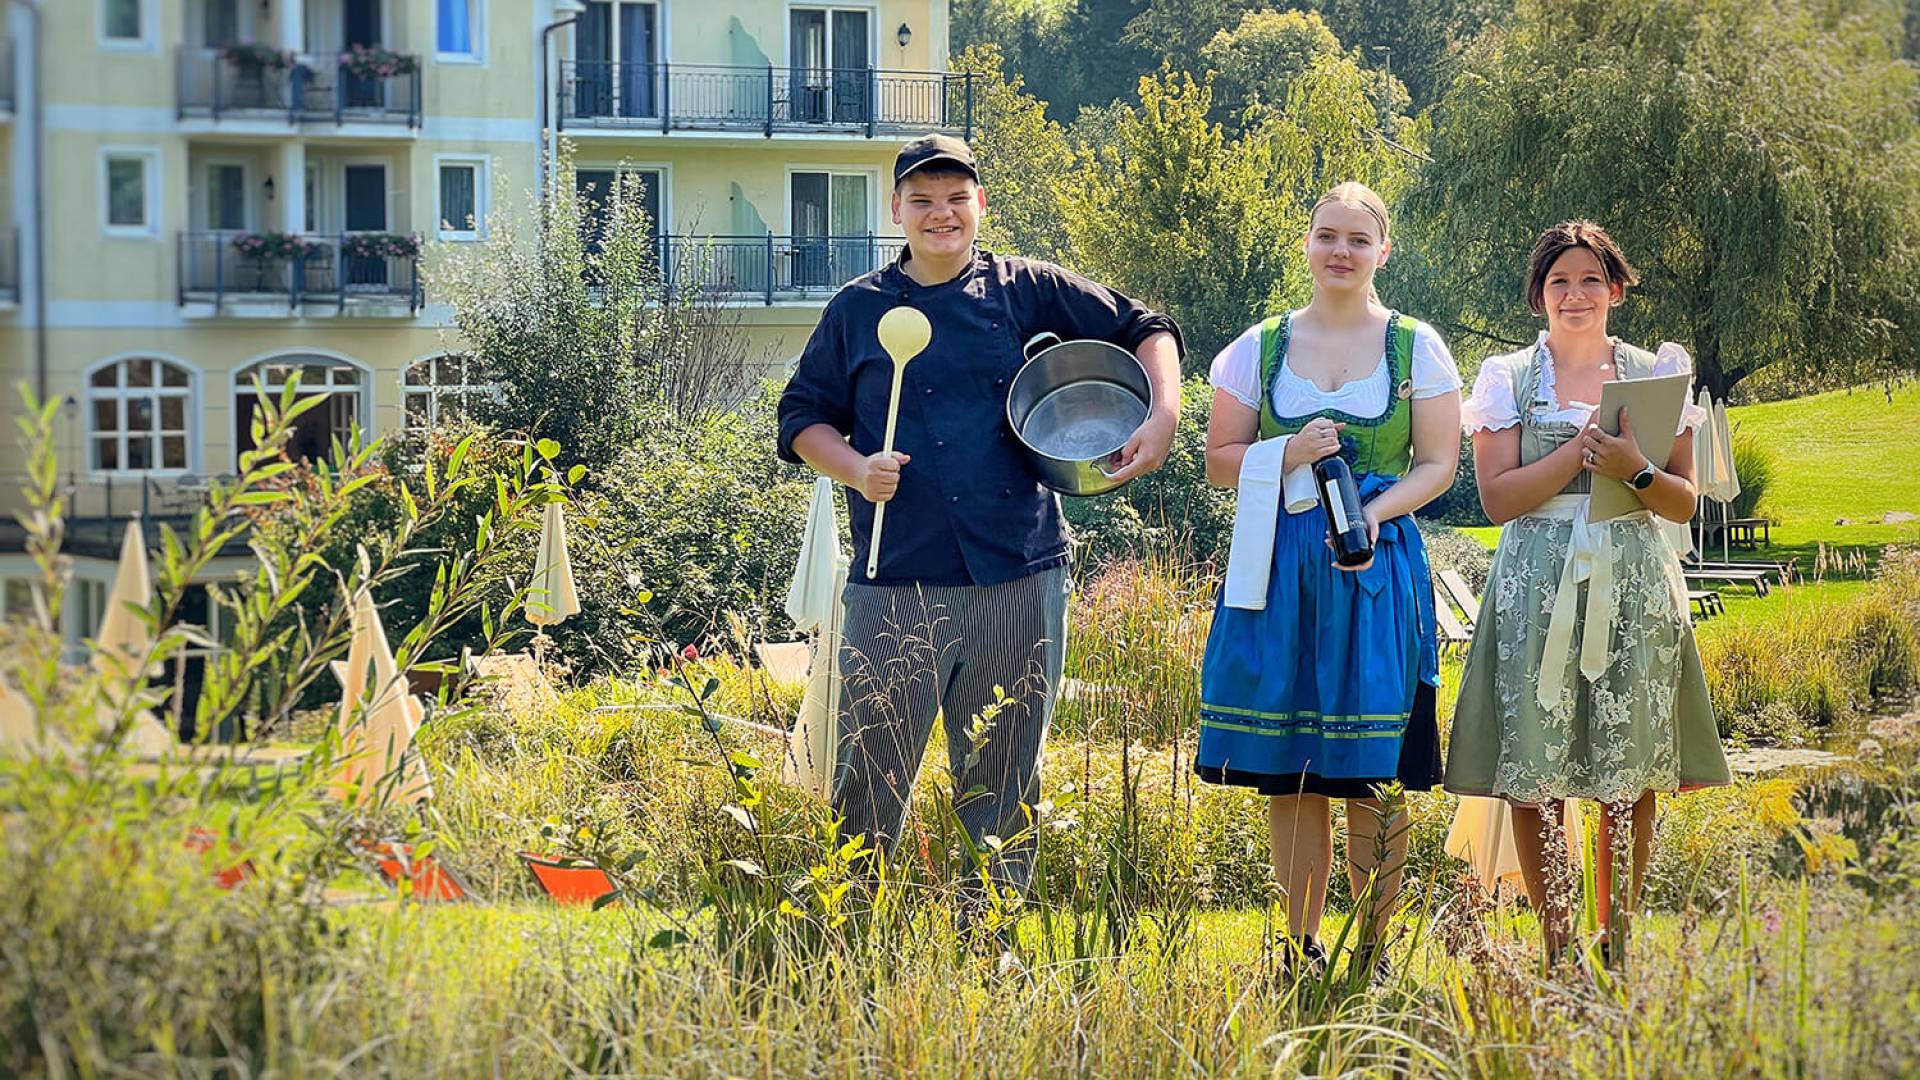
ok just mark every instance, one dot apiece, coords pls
pixel 1547 711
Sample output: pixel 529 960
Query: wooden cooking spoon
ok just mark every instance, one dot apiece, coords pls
pixel 904 332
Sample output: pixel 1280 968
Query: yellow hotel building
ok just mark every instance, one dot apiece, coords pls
pixel 196 192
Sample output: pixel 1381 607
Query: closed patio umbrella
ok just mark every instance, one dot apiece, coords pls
pixel 121 643
pixel 813 603
pixel 551 597
pixel 377 751
pixel 1726 477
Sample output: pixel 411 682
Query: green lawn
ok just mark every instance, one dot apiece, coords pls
pixel 1848 454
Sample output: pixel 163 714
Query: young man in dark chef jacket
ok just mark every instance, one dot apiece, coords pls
pixel 971 594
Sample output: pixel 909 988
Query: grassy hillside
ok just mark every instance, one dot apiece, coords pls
pixel 1852 454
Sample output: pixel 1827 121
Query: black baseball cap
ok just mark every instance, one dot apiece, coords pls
pixel 931 149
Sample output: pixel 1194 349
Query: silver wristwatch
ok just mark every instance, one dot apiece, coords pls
pixel 1643 479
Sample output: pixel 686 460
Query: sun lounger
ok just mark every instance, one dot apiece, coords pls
pixel 1450 593
pixel 567 881
pixel 432 881
pixel 1755 579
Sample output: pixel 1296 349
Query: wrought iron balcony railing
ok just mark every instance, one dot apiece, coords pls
pixel 310 89
pixel 772 267
pixel 340 269
pixel 667 96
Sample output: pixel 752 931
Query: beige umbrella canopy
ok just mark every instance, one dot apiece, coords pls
pixel 377 752
pixel 19 735
pixel 813 603
pixel 122 641
pixel 551 598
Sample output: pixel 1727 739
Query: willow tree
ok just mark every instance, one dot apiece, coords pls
pixel 1759 162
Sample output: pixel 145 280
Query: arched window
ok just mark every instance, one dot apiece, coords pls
pixel 343 384
pixel 441 389
pixel 139 416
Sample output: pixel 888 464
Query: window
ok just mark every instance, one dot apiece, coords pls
pixel 220 23
pixel 127 192
pixel 316 430
pixel 88 602
pixel 139 412
pixel 123 21
pixel 440 390
pixel 226 187
pixel 615 51
pixel 462 211
pixel 457 29
pixel 831 216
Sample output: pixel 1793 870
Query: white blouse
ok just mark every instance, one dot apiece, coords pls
pixel 1491 406
pixel 1237 371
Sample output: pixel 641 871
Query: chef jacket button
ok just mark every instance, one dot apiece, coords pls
pixel 953 498
pixel 939 442
pixel 1006 491
pixel 999 382
pixel 996 326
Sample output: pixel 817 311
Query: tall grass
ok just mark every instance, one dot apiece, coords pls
pixel 1817 662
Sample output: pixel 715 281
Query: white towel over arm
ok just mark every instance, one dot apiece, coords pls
pixel 1262 491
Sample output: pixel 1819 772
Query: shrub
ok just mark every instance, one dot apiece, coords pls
pixel 1450 549
pixel 1460 503
pixel 700 516
pixel 1753 462
pixel 1173 508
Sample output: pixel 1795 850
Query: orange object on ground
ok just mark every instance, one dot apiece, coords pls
pixel 566 880
pixel 201 841
pixel 433 882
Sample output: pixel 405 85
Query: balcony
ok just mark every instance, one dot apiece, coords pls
pixel 98 507
pixel 294 89
pixel 708 97
pixel 363 273
pixel 9 267
pixel 769 268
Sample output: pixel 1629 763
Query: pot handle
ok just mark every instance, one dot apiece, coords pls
pixel 1027 349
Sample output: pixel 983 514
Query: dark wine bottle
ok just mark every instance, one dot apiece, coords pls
pixel 1346 522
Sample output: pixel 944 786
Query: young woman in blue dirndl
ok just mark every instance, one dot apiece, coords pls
pixel 1318 681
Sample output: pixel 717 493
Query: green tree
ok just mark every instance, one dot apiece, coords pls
pixel 1023 158
pixel 1426 37
pixel 1260 57
pixel 1758 163
pixel 1207 225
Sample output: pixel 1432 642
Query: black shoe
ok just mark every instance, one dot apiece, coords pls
pixel 1301 958
pixel 1372 959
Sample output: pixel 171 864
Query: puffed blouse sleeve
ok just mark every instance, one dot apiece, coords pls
pixel 1491 406
pixel 1237 368
pixel 1672 359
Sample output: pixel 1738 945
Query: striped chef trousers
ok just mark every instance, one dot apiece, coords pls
pixel 909 652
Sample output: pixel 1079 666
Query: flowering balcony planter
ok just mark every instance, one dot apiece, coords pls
pixel 258 82
pixel 250 273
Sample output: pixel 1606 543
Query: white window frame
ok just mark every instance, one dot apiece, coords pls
pixel 432 390
pixel 482 203
pixel 144 43
pixel 477 19
pixel 149 158
pixel 240 383
pixel 195 429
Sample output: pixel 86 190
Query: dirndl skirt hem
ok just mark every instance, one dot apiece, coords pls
pixel 1419 768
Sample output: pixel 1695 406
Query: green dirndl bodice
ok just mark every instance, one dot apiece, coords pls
pixel 1647 722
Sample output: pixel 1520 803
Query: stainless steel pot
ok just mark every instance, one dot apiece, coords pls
pixel 1073 406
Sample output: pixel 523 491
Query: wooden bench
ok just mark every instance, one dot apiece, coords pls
pixel 1756 579
pixel 1450 592
pixel 1785 573
pixel 1748 533
pixel 1707 602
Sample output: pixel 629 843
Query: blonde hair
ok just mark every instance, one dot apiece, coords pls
pixel 1355 195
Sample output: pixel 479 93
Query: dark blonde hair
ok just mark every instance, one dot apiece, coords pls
pixel 1564 237
pixel 1355 196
